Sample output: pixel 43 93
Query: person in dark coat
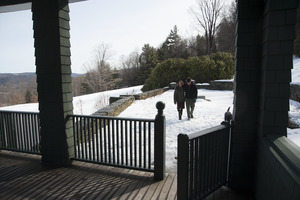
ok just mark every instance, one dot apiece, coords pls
pixel 179 97
pixel 191 93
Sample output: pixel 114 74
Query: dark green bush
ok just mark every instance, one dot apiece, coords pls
pixel 170 70
pixel 224 65
pixel 201 69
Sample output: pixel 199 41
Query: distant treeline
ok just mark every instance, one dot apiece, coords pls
pixel 19 88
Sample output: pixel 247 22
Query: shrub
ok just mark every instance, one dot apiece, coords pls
pixel 224 65
pixel 202 69
pixel 170 70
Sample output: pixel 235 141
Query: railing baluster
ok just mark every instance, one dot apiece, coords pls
pixel 196 157
pixel 122 141
pixel 135 144
pixel 105 141
pixel 113 142
pixel 81 136
pixel 30 132
pixel 210 161
pixel 118 140
pixel 33 134
pixel 2 131
pixel 101 126
pixel 215 157
pixel 126 142
pixel 109 140
pixel 18 135
pixel 79 140
pixel 75 139
pixel 10 139
pixel 93 138
pixel 149 145
pixel 140 144
pixel 97 135
pixel 23 121
pixel 202 166
pixel 191 176
pixel 131 153
pixel 85 138
pixel 24 132
pixel 13 136
pixel 8 130
pixel 222 156
pixel 145 144
pixel 88 138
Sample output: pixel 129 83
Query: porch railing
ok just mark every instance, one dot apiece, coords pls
pixel 122 142
pixel 19 131
pixel 203 161
pixel 114 141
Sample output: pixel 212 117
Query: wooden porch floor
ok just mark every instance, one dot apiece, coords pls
pixel 22 176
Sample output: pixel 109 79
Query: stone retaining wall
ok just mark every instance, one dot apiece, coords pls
pixel 217 85
pixel 213 85
pixel 295 92
pixel 150 93
pixel 115 108
pixel 119 104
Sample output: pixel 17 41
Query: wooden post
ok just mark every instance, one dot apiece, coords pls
pixel 159 142
pixel 53 68
pixel 182 166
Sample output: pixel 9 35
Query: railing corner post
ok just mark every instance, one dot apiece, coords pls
pixel 159 142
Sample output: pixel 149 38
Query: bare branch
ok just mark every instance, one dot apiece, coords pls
pixel 207 13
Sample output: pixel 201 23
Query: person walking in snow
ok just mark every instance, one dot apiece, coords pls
pixel 179 97
pixel 191 93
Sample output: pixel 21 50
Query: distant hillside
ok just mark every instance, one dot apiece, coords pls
pixel 21 77
pixel 16 77
pixel 19 88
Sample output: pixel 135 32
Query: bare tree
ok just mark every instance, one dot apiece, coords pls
pixel 225 36
pixel 98 75
pixel 130 69
pixel 206 13
pixel 102 53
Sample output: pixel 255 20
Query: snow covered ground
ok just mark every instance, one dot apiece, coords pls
pixel 208 113
pixel 296 71
pixel 85 104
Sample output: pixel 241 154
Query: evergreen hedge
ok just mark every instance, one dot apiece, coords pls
pixel 202 69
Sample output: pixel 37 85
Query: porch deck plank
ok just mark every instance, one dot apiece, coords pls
pixel 173 195
pixel 29 179
pixel 22 176
pixel 167 185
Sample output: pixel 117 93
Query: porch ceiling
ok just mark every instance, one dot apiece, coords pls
pixel 17 5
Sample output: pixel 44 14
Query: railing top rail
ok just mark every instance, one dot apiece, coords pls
pixel 207 131
pixel 21 112
pixel 110 117
pixel 286 149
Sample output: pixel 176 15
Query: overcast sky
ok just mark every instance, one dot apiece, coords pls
pixel 125 25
